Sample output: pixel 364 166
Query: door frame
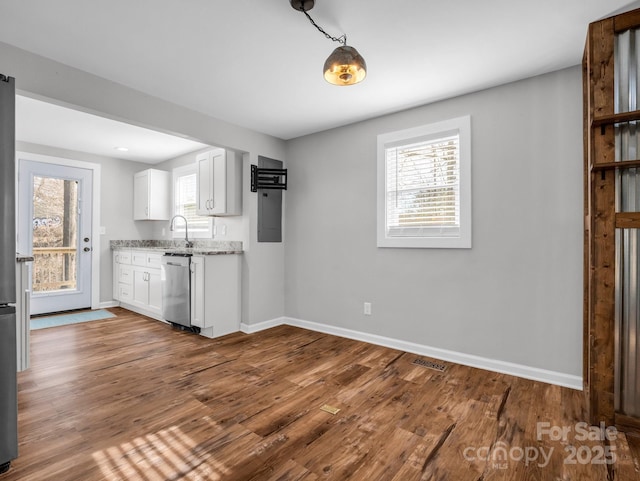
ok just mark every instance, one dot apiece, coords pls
pixel 95 210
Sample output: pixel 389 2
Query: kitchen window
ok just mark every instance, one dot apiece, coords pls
pixel 185 184
pixel 424 186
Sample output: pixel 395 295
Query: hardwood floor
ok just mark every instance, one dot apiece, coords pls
pixel 130 398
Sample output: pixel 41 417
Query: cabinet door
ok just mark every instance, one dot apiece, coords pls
pixel 204 174
pixel 159 195
pixel 219 183
pixel 141 196
pixel 140 287
pixel 197 291
pixel 222 287
pixel 155 290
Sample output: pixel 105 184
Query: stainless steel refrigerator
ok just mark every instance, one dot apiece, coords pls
pixel 8 350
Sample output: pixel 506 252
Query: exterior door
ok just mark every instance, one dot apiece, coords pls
pixel 54 225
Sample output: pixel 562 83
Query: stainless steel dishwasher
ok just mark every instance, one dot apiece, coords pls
pixel 176 289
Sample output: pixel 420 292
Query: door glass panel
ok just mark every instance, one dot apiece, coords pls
pixel 55 234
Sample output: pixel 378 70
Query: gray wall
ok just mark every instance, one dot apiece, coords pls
pixel 263 264
pixel 516 296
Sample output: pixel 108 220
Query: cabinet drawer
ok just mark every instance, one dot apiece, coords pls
pixel 125 275
pixel 139 258
pixel 126 292
pixel 123 257
pixel 153 260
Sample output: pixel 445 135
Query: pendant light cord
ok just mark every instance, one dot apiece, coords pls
pixel 342 39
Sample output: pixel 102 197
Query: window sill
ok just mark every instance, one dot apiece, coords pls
pixel 425 242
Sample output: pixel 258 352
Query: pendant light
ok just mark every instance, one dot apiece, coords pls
pixel 345 66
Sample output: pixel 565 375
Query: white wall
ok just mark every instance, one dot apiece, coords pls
pixel 516 296
pixel 263 264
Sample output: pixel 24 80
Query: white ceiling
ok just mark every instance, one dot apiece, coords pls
pixel 47 124
pixel 258 63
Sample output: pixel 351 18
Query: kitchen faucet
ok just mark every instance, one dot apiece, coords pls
pixel 187 243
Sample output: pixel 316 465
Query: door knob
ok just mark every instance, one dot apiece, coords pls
pixel 87 249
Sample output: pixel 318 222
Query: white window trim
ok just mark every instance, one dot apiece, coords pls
pixel 178 233
pixel 462 125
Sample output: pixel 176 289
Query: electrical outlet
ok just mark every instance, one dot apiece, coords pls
pixel 367 308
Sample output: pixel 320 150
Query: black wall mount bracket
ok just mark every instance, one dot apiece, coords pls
pixel 268 178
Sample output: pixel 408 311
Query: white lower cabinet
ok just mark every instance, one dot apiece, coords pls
pixel 197 291
pixel 155 291
pixel 215 288
pixel 122 276
pixel 140 286
pixel 137 281
pixel 147 290
pixel 215 294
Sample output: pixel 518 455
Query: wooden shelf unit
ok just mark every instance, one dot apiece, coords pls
pixel 622 164
pixel 613 119
pixel 601 219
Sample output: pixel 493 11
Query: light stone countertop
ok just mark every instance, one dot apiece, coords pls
pixel 200 247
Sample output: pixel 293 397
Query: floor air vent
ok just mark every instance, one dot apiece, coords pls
pixel 430 365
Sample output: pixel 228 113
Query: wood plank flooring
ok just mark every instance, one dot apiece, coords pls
pixel 130 398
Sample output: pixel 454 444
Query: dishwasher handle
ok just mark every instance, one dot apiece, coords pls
pixel 176 264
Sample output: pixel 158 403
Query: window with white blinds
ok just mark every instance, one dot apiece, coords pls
pixel 185 197
pixel 424 186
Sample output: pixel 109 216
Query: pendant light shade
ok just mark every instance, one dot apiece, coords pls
pixel 345 66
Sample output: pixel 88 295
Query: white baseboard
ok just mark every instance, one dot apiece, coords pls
pixel 142 311
pixel 108 304
pixel 261 326
pixel 519 370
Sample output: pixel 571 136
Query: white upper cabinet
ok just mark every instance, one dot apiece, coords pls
pixel 219 174
pixel 151 195
pixel 204 173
